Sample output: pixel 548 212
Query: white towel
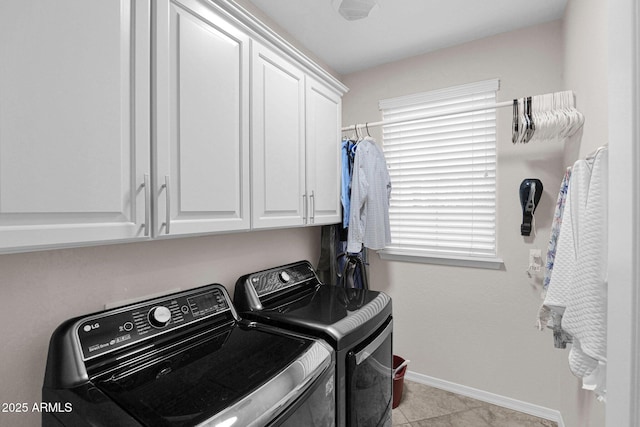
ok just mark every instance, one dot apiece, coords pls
pixel 566 253
pixel 585 317
pixel 578 286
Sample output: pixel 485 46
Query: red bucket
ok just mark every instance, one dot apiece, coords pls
pixel 398 380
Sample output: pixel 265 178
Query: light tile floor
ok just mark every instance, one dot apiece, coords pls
pixel 423 406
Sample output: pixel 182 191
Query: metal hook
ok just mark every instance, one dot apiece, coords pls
pixel 367 125
pixel 514 134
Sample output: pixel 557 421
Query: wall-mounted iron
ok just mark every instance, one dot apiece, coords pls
pixel 530 193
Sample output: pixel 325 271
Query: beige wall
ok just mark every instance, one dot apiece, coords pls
pixel 585 71
pixel 469 326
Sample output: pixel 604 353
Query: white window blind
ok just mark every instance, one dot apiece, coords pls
pixel 443 172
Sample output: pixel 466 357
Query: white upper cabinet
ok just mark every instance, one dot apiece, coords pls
pixel 201 87
pixel 323 118
pixel 295 144
pixel 278 134
pixel 74 122
pixel 124 120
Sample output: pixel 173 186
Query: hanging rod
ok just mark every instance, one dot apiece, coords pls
pixel 428 117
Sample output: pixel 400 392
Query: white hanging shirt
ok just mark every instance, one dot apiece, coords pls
pixel 370 194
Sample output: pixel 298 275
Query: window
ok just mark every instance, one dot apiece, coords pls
pixel 443 175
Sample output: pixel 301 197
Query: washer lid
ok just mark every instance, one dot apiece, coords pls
pixel 292 297
pixel 242 373
pixel 342 316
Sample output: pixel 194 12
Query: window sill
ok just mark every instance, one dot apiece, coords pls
pixel 456 261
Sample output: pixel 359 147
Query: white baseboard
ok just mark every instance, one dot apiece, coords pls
pixel 485 396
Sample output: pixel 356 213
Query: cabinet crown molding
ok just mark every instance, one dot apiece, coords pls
pixel 257 29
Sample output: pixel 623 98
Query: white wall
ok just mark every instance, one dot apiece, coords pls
pixel 475 327
pixel 40 290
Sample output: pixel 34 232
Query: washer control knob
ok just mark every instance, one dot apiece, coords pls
pixel 159 316
pixel 284 276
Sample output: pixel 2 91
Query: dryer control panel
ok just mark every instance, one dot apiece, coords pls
pixel 277 279
pixel 120 327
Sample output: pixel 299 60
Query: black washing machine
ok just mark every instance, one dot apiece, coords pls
pixel 357 323
pixel 185 359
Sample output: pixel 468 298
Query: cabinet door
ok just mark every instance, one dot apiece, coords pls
pixel 201 181
pixel 278 149
pixel 323 153
pixel 74 122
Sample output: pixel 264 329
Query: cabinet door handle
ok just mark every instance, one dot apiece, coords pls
pixel 304 208
pixel 312 198
pixel 167 189
pixel 147 205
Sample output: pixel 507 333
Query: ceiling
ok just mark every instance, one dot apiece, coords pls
pixel 398 29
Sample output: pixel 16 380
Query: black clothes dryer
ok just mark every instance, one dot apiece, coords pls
pixel 185 359
pixel 356 322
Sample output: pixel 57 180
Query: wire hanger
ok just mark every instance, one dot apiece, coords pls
pixel 531 126
pixel 355 129
pixel 360 134
pixel 592 156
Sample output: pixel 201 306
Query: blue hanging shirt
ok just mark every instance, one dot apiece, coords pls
pixel 345 195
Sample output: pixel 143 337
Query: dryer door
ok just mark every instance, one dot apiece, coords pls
pixel 369 380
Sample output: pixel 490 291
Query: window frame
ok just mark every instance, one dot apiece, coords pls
pixel 491 261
